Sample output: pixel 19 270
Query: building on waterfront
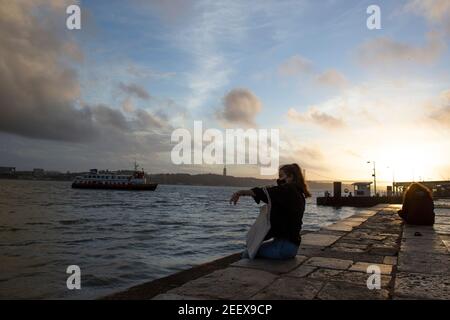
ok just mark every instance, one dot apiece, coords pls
pixel 361 189
pixel 7 170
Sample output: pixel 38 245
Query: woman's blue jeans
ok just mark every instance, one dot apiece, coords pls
pixel 277 249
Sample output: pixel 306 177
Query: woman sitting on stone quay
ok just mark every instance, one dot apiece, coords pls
pixel 288 200
pixel 418 206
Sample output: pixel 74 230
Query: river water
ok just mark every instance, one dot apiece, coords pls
pixel 118 238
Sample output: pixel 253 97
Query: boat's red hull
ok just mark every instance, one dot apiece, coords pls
pixel 148 186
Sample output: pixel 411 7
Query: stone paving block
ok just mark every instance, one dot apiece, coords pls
pixel 421 262
pixel 423 245
pixel 426 232
pixel 442 220
pixel 356 240
pixel 351 222
pixel 421 286
pixel 339 227
pixel 348 291
pixel 444 237
pixel 290 288
pixel 350 247
pixel 170 296
pixel 310 251
pixel 377 238
pixel 365 215
pixel 384 250
pixel 392 235
pixel 386 227
pixel 358 278
pixel 442 228
pixel 364 236
pixel 329 263
pixel 354 256
pixel 362 267
pixel 317 239
pixel 390 260
pixel 356 219
pixel 447 244
pixel 347 249
pixel 445 212
pixel 332 232
pixel 301 271
pixel 390 241
pixel 270 265
pixel 325 274
pixel 229 283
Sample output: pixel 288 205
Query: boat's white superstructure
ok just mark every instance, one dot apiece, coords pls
pixel 95 179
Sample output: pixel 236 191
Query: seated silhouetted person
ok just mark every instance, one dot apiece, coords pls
pixel 418 206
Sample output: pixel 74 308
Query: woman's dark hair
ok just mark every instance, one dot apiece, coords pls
pixel 293 170
pixel 415 187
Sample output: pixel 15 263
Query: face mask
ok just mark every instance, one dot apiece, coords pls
pixel 281 182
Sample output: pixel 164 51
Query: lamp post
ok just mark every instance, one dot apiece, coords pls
pixel 374 175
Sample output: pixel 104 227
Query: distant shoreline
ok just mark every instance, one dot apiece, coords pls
pixel 179 179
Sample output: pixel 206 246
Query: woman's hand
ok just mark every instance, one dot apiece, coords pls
pixel 235 197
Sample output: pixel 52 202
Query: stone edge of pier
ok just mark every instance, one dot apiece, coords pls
pixel 331 264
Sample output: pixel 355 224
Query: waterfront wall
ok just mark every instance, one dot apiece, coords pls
pixel 331 264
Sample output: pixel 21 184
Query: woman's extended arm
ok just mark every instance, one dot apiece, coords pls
pixel 235 197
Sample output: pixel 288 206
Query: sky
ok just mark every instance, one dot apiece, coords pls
pixel 115 90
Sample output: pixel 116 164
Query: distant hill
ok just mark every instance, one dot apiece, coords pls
pixel 220 180
pixel 208 180
pixel 170 178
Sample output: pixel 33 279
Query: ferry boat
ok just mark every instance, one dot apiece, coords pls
pixel 95 179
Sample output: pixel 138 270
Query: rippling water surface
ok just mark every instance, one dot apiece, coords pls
pixel 118 238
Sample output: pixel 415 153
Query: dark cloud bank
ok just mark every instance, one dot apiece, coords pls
pixel 40 90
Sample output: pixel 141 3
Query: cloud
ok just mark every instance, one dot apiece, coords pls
pixel 317 117
pixel 127 105
pixel 145 120
pixel 332 78
pixel 308 157
pixel 294 66
pixel 312 153
pixel 107 117
pixel 432 10
pixel 389 52
pixel 436 13
pixel 441 113
pixel 240 106
pixel 298 66
pixel 135 90
pixel 39 89
pixel 354 154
